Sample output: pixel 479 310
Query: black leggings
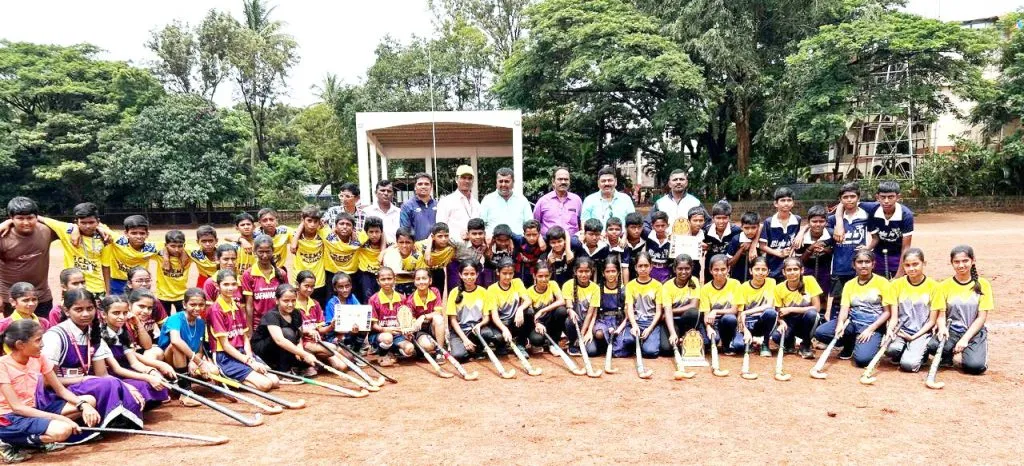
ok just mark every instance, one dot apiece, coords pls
pixel 275 356
pixel 522 333
pixel 683 323
pixel 554 322
pixel 458 348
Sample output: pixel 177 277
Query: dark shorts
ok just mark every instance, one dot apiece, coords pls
pixel 22 430
pixel 231 367
pixel 374 339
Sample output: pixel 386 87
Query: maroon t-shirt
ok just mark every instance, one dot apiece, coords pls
pixel 26 259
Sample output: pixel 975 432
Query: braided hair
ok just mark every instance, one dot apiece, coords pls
pixel 462 286
pixel 122 339
pixel 266 240
pixel 580 262
pixel 969 251
pixel 81 294
pixel 794 260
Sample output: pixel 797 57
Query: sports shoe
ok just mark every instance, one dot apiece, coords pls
pixel 309 372
pixel 846 353
pixel 9 454
pixel 765 352
pixel 574 350
pixel 51 447
pixel 806 352
pixel 536 350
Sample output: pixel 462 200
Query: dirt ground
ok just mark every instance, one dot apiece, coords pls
pixel 561 418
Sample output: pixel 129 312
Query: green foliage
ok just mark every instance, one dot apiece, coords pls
pixel 194 60
pixel 1004 101
pixel 280 179
pixel 758 183
pixel 175 153
pixel 321 145
pixel 973 169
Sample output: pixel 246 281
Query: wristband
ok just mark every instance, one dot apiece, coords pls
pixel 78 406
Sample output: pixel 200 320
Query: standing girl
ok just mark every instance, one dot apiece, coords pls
pixel 968 302
pixel 719 301
pixel 867 301
pixel 798 299
pixel 679 301
pixel 642 310
pixel 581 299
pixel 277 339
pixel 510 304
pixel 918 301
pixel 465 310
pixel 260 282
pixel 757 316
pixel 232 349
pixel 139 371
pixel 548 307
pixel 611 312
pixel 26 419
pixel 74 346
pixel 227 259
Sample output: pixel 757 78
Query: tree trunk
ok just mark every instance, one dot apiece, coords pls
pixel 743 139
pixel 322 186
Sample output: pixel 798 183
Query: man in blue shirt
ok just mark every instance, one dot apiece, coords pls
pixel 419 213
pixel 606 202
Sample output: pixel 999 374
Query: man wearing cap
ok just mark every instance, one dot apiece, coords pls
pixel 457 208
pixel 559 207
pixel 505 206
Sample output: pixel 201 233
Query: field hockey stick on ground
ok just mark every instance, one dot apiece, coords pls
pixel 266 396
pixel 157 433
pixel 745 369
pixel 330 386
pixel 362 384
pixel 930 382
pixel 715 368
pixel 254 421
pixel 583 352
pixel 269 409
pixel 818 366
pixel 780 373
pixel 641 371
pixel 534 371
pixel 681 372
pixel 505 374
pixel 454 362
pixel 569 363
pixel 369 383
pixel 360 358
pixel 868 377
pixel 430 359
pixel 609 338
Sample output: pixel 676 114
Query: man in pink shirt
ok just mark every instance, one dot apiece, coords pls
pixel 559 207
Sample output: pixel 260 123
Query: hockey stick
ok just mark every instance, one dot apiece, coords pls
pixel 256 420
pixel 156 433
pixel 505 374
pixel 230 394
pixel 868 377
pixel 370 383
pixel 430 359
pixel 816 370
pixel 360 358
pixel 569 363
pixel 583 352
pixel 715 368
pixel 266 396
pixel 455 362
pixel 745 369
pixel 641 371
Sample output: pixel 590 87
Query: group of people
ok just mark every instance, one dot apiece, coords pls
pixel 452 276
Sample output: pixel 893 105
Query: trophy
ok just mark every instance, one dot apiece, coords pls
pixel 693 349
pixel 682 242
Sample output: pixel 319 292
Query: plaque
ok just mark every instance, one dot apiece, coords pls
pixel 347 316
pixel 406 321
pixel 693 349
pixel 682 242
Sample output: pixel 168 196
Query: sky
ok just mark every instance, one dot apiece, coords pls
pixel 334 36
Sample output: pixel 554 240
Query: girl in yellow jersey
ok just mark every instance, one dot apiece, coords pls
pixel 369 259
pixel 757 315
pixel 719 301
pixel 582 298
pixel 549 312
pixel 680 303
pixel 797 300
pixel 642 310
pixel 968 302
pixel 865 306
pixel 918 302
pixel 510 305
pixel 466 307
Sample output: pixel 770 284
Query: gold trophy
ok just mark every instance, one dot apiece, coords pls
pixel 682 242
pixel 693 349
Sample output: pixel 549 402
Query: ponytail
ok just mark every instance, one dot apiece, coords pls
pixel 122 338
pixel 969 252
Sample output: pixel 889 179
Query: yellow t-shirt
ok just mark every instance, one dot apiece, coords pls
pixel 369 259
pixel 121 257
pixel 341 256
pixel 644 299
pixel 309 255
pixel 785 297
pixel 756 297
pixel 505 302
pixel 915 303
pixel 584 298
pixel 540 300
pixel 394 260
pixel 674 297
pixel 87 256
pixel 439 258
pixel 207 266
pixel 963 304
pixel 469 311
pixel 282 237
pixel 720 300
pixel 170 284
pixel 245 260
pixel 867 301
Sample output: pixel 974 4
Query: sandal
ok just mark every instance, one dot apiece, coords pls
pixel 387 361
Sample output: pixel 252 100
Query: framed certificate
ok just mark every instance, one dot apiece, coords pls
pixel 347 316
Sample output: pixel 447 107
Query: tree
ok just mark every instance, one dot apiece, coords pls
pixel 832 79
pixel 321 145
pixel 500 20
pixel 175 153
pixel 600 71
pixel 1004 101
pixel 54 101
pixel 260 56
pixel 194 60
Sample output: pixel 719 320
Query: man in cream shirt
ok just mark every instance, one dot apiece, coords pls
pixel 457 208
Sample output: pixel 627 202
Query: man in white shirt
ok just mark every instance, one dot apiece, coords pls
pixel 457 208
pixel 505 206
pixel 677 202
pixel 385 210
